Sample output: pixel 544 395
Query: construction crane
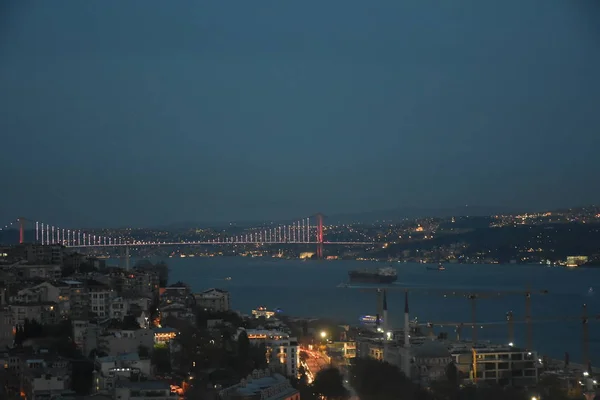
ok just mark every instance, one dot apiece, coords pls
pixel 473 296
pixel 458 326
pixel 510 321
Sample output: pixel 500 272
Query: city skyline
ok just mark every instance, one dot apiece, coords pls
pixel 189 112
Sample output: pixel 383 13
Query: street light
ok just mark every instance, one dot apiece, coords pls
pixel 323 334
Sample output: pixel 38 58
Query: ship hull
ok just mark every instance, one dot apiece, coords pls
pixel 371 278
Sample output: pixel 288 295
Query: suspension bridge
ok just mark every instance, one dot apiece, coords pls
pixel 309 230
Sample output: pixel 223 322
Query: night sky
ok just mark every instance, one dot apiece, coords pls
pixel 151 112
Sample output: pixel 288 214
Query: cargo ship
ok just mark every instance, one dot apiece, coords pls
pixel 379 275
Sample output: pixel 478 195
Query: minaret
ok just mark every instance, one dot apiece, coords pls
pixel 406 321
pixel 385 314
pixel 386 338
pixel 406 350
pixel 126 258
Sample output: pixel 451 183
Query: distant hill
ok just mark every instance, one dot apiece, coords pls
pixel 401 213
pixel 395 214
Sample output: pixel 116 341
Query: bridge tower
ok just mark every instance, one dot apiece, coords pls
pixel 320 217
pixel 21 229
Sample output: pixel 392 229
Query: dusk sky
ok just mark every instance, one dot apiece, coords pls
pixel 146 112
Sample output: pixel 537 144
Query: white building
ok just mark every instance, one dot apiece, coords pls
pixel 44 385
pixel 119 307
pixel 100 298
pixel 74 297
pixel 47 292
pixel 28 271
pixel 42 293
pixel 109 369
pixel 85 335
pixel 282 350
pixel 213 299
pixel 44 313
pixel 122 306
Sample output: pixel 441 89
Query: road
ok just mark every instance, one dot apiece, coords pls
pixel 317 361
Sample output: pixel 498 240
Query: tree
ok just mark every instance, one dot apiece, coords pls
pixel 143 351
pixel 447 388
pixel 329 383
pixel 551 388
pixel 82 376
pixel 153 310
pixel 258 356
pixel 19 335
pixel 96 353
pixel 377 380
pixel 161 359
pixel 130 323
pixel 66 347
pixel 243 353
pixel 32 329
pixel 175 323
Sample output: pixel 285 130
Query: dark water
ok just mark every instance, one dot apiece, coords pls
pixel 308 288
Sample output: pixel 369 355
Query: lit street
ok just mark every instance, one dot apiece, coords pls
pixel 317 361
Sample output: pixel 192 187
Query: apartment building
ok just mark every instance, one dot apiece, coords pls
pixel 282 350
pixel 213 299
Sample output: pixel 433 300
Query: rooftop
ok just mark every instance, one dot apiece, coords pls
pixel 266 332
pixel 34 304
pixel 431 349
pixel 71 282
pixel 165 329
pixel 120 357
pixel 258 383
pixel 458 347
pixel 213 290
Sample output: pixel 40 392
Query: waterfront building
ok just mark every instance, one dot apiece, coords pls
pixel 576 261
pixel 496 363
pixel 262 312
